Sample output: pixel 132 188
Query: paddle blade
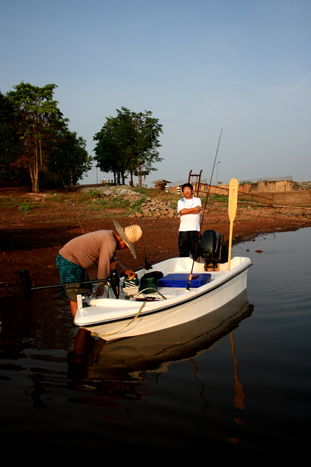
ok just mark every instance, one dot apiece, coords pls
pixel 233 198
pixel 232 206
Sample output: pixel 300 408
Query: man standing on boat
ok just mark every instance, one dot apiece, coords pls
pixel 189 209
pixel 99 248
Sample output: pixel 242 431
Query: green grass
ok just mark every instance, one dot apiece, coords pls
pixel 95 202
pixel 24 207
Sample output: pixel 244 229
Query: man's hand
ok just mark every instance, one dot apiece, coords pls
pixel 100 289
pixel 129 273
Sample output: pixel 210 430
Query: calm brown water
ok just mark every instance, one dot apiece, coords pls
pixel 233 385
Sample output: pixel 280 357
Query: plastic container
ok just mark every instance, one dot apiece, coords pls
pixel 181 280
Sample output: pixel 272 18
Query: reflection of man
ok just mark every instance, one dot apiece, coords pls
pixel 99 248
pixel 189 229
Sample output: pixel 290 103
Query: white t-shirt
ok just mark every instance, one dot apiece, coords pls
pixel 189 221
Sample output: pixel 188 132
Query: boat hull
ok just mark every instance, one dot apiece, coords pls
pixel 131 357
pixel 112 319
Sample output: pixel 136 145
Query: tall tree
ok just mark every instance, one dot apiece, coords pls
pixel 129 143
pixel 68 157
pixel 8 137
pixel 107 150
pixel 38 118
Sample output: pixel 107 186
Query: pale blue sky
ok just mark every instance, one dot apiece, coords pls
pixel 197 65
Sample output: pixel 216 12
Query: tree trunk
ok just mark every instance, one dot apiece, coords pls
pixel 139 177
pixel 34 167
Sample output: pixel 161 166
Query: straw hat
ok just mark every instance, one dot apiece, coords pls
pixel 130 235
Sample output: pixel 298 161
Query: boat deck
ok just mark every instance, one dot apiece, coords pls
pixel 172 291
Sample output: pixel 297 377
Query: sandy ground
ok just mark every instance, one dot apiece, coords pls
pixel 31 237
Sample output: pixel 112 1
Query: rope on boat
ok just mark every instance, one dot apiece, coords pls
pixel 132 320
pixel 149 294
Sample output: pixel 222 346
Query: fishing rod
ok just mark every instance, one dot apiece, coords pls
pixel 74 208
pixel 207 195
pixel 210 183
pixel 28 289
pixel 147 265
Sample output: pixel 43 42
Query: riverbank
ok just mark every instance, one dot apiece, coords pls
pixel 34 228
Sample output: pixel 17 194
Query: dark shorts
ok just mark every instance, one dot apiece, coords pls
pixel 188 243
pixel 68 271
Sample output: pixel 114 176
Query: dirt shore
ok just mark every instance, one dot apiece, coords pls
pixel 32 233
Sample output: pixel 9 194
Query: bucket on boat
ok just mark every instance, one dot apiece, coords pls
pixel 150 280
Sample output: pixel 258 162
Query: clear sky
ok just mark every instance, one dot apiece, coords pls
pixel 197 65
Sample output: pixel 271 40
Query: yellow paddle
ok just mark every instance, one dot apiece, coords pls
pixel 232 205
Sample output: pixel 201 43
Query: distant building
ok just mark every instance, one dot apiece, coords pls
pixel 160 184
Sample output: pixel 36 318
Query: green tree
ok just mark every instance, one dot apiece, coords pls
pixel 107 151
pixel 128 143
pixel 38 118
pixel 8 138
pixel 68 157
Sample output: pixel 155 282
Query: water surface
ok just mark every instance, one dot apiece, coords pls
pixel 233 384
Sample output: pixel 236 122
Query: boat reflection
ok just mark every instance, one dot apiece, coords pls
pixel 131 358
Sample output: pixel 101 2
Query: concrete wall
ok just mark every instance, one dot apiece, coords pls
pixel 292 198
pixel 271 193
pixel 267 187
pixel 286 198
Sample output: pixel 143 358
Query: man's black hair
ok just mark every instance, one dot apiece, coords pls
pixel 187 184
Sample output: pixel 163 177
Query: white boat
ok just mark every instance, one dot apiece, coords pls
pixel 171 304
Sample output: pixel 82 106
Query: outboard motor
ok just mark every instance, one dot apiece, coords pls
pixel 212 249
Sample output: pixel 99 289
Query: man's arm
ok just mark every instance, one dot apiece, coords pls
pixel 194 210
